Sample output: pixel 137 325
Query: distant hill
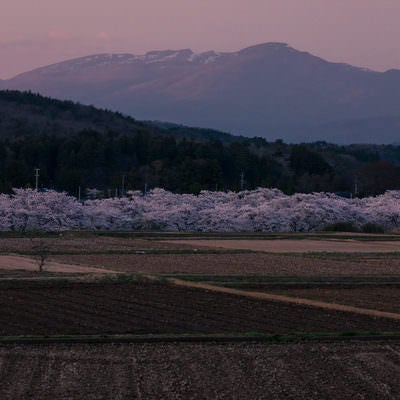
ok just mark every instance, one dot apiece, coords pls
pixel 269 90
pixel 26 113
pixel 29 113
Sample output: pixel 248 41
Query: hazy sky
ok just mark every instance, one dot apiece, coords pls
pixel 39 32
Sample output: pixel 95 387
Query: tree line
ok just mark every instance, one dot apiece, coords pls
pixel 115 162
pixel 261 210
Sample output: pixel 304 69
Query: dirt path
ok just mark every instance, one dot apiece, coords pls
pixel 286 299
pixel 299 246
pixel 30 264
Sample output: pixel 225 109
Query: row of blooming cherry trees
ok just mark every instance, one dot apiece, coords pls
pixel 267 210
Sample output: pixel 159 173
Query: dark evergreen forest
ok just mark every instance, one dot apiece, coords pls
pixel 77 146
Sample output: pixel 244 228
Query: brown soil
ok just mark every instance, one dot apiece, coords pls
pixel 187 371
pixel 206 263
pixel 299 246
pixel 88 244
pixel 289 299
pixel 78 308
pixel 380 298
pixel 10 263
pixel 231 264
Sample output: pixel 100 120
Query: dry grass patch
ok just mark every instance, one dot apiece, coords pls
pixel 18 264
pixel 299 246
pixel 89 244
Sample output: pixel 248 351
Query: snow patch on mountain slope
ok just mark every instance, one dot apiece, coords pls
pixel 102 60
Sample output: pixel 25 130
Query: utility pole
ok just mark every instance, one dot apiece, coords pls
pixel 242 181
pixel 123 186
pixel 355 187
pixel 145 188
pixel 79 193
pixel 37 178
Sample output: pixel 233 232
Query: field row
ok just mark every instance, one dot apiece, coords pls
pixel 67 242
pixel 77 308
pixel 207 371
pixel 376 298
pixel 224 264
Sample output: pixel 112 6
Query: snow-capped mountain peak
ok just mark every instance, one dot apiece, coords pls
pixel 152 57
pixel 268 89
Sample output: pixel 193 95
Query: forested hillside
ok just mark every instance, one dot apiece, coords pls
pixel 107 151
pixel 27 113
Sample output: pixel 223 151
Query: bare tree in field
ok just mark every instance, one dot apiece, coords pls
pixel 41 247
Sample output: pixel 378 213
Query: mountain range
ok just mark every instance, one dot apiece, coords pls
pixel 269 90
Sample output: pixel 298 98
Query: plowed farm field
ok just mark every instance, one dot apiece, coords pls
pixel 218 257
pixel 89 244
pixel 300 246
pixel 174 319
pixel 83 308
pixel 223 264
pixel 191 371
pixel 375 298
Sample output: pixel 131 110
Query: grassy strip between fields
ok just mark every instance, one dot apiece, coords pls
pixel 36 278
pixel 259 279
pixel 299 285
pixel 157 235
pixel 232 337
pixel 343 256
pixel 123 252
pixel 233 281
pixel 252 235
pixel 245 282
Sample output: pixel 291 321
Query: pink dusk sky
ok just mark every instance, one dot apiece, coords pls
pixel 39 32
